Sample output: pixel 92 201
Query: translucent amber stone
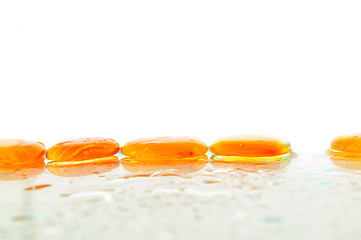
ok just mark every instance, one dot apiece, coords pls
pixel 84 167
pixel 82 149
pixel 21 154
pixel 163 148
pixel 250 149
pixel 345 151
pixel 176 166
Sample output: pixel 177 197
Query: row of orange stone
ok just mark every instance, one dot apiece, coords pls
pixel 21 153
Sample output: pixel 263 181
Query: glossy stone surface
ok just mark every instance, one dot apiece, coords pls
pixel 250 146
pixel 20 154
pixel 82 149
pixel 162 148
pixel 83 168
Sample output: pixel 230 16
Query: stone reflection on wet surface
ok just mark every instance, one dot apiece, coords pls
pixel 168 167
pixel 250 165
pixel 83 168
pixel 345 163
pixel 21 173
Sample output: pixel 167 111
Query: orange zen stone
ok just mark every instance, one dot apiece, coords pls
pixel 250 146
pixel 21 154
pixel 82 149
pixel 347 147
pixel 163 148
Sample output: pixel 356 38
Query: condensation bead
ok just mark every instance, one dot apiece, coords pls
pixel 21 154
pixel 163 148
pixel 250 149
pixel 82 149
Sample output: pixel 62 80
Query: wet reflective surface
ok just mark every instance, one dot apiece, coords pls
pixel 164 167
pixel 307 198
pixel 21 173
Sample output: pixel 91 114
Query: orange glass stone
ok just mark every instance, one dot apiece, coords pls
pixel 163 148
pixel 250 149
pixel 250 146
pixel 83 168
pixel 346 148
pixel 21 154
pixel 82 149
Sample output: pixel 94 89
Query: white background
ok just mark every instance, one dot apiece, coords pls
pixel 131 69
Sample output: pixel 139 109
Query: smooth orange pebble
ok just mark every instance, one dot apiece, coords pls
pixel 250 147
pixel 178 166
pixel 345 151
pixel 20 154
pixel 163 148
pixel 82 149
pixel 83 168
